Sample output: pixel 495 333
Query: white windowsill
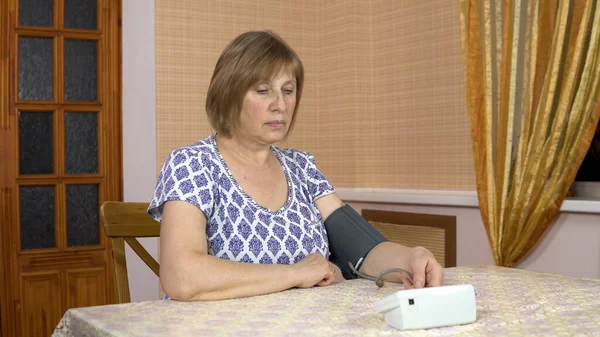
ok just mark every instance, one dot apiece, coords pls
pixel 445 198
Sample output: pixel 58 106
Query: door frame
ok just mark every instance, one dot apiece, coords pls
pixel 111 131
pixel 7 313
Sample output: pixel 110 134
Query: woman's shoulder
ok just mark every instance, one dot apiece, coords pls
pixel 298 156
pixel 202 150
pixel 299 162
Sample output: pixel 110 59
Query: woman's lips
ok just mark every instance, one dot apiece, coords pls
pixel 276 124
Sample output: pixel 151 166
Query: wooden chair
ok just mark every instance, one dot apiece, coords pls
pixel 123 222
pixel 434 232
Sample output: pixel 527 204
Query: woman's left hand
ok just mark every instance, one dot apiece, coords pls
pixel 338 273
pixel 427 272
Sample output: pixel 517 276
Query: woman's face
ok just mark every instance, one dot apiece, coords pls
pixel 267 109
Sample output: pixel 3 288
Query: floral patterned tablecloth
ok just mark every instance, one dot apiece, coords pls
pixel 510 302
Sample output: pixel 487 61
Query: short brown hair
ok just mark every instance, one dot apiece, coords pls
pixel 249 59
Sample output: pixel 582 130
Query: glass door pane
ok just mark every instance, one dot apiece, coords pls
pixel 36 68
pixel 81 142
pixel 36 142
pixel 81 70
pixel 39 13
pixel 82 215
pixel 37 217
pixel 81 14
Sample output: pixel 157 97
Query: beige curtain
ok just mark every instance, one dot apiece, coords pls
pixel 532 73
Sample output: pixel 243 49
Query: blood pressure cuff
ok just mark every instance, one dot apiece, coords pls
pixel 351 238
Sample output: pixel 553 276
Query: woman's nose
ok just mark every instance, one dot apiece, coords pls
pixel 278 102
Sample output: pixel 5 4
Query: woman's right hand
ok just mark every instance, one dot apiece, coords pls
pixel 313 270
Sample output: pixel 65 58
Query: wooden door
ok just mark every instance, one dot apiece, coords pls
pixel 60 157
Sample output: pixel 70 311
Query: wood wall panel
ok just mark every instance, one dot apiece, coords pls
pixel 435 232
pixel 412 236
pixel 40 303
pixel 62 260
pixel 86 287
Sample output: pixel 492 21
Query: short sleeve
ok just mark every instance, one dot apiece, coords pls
pixel 318 185
pixel 186 176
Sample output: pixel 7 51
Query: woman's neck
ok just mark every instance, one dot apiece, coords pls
pixel 246 152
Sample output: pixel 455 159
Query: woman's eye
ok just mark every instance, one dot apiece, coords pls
pixel 288 91
pixel 262 91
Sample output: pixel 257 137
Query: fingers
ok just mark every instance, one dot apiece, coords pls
pixel 328 280
pixel 337 272
pixel 329 276
pixel 427 272
pixel 418 267
pixel 407 282
pixel 435 277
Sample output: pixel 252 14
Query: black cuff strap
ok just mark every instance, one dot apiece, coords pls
pixel 351 238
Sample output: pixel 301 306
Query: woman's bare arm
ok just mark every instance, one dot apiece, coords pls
pixel 189 273
pixel 418 260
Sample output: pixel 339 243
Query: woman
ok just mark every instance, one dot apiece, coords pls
pixel 242 217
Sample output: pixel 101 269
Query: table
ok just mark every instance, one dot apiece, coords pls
pixel 510 302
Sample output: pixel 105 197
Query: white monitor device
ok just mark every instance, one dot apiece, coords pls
pixel 429 307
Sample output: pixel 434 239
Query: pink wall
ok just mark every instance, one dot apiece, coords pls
pixel 570 247
pixel 139 131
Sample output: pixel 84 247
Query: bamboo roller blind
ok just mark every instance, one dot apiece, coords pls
pixel 384 101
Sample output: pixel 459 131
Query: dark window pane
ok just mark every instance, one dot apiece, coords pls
pixel 36 154
pixel 36 13
pixel 81 14
pixel 81 142
pixel 37 217
pixel 36 67
pixel 82 215
pixel 81 80
pixel 590 167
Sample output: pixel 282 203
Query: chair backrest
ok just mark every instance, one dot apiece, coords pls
pixel 124 222
pixel 434 232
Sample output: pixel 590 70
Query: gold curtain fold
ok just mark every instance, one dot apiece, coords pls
pixel 532 70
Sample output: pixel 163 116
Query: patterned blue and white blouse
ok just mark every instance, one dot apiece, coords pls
pixel 238 228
